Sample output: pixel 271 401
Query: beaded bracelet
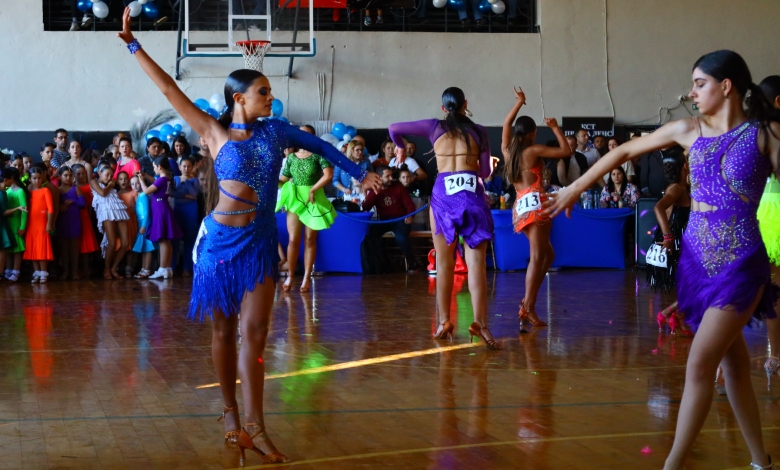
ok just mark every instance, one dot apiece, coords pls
pixel 668 236
pixel 133 46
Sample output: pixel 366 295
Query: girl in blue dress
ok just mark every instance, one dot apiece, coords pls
pixel 236 259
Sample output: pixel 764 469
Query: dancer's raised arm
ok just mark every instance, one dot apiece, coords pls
pixel 681 132
pixel 506 132
pixel 201 123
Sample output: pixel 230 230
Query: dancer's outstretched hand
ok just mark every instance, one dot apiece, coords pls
pixel 400 154
pixel 552 123
pixel 560 201
pixel 126 35
pixel 519 94
pixel 372 181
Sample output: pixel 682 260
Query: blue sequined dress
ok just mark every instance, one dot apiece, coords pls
pixel 723 262
pixel 230 261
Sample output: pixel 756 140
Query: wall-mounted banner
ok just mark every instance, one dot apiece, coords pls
pixel 594 125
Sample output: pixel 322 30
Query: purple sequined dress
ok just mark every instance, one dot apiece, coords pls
pixel 464 213
pixel 723 261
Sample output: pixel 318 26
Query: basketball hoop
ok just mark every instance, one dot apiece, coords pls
pixel 253 52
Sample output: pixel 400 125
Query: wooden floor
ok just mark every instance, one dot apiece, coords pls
pixel 109 375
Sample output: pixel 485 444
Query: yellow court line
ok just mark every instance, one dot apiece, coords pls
pixel 360 363
pixel 392 453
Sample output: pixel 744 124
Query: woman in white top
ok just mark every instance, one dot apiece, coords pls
pixel 418 174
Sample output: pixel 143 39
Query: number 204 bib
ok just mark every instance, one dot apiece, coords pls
pixel 460 182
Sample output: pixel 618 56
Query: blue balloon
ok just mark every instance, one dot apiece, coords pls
pixel 150 10
pixel 212 113
pixel 152 133
pixel 201 103
pixel 177 127
pixel 455 4
pixel 351 131
pixel 84 5
pixel 485 7
pixel 166 129
pixel 163 136
pixel 277 107
pixel 339 129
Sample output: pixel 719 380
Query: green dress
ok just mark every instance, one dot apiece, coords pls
pixel 17 220
pixel 7 239
pixel 294 196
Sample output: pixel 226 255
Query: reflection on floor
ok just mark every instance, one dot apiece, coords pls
pixel 112 375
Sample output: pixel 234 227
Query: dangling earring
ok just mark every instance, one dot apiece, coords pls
pixel 468 113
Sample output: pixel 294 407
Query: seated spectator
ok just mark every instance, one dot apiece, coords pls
pixel 406 178
pixel 341 180
pixel 583 139
pixel 495 187
pixel 619 192
pixel 386 153
pixel 569 169
pixel 549 187
pixel 628 167
pixel 652 180
pixel 411 150
pixel 392 202
pixel 418 174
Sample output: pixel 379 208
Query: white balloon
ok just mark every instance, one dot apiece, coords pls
pixel 217 102
pixel 492 1
pixel 439 3
pixel 142 2
pixel 330 138
pixel 498 7
pixel 100 9
pixel 135 8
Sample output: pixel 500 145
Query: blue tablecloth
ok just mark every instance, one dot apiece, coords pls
pixel 593 238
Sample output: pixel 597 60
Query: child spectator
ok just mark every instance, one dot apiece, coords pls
pixel 7 236
pixel 125 161
pixel 71 201
pixel 18 163
pixel 88 243
pixel 163 227
pixel 16 211
pixel 142 244
pixel 41 226
pixel 112 220
pixel 128 197
pixel 185 210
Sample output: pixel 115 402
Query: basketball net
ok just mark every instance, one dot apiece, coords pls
pixel 254 52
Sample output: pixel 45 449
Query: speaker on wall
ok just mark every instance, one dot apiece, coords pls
pixel 646 224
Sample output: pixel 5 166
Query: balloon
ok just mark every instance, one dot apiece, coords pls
pixel 485 7
pixel 166 129
pixel 169 138
pixel 202 104
pixel 213 113
pixel 152 133
pixel 330 138
pixel 455 4
pixel 439 3
pixel 339 129
pixel 492 1
pixel 498 7
pixel 217 102
pixel 277 107
pixel 100 9
pixel 135 8
pixel 177 127
pixel 347 137
pixel 351 131
pixel 142 2
pixel 84 5
pixel 150 9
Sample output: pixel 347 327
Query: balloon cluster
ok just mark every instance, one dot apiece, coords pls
pixel 167 132
pixel 485 6
pixel 340 132
pixel 147 6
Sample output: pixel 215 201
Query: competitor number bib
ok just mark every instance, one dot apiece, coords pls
pixel 656 256
pixel 462 182
pixel 529 202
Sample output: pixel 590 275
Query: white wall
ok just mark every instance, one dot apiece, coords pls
pixel 88 81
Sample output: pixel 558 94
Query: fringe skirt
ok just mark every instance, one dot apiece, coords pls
pixel 229 262
pixel 769 219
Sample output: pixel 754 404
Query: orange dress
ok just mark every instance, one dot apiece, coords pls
pixel 89 242
pixel 527 209
pixel 129 199
pixel 37 241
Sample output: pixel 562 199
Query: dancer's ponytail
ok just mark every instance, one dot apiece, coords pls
pixel 456 124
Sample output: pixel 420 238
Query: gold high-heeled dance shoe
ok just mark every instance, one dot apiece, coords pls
pixel 230 436
pixel 526 317
pixel 476 330
pixel 246 441
pixel 444 331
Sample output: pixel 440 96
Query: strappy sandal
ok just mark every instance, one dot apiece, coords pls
pixel 246 441
pixel 526 317
pixel 230 436
pixel 143 274
pixel 477 330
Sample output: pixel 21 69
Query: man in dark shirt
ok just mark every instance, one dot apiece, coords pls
pixel 392 201
pixel 652 181
pixel 61 154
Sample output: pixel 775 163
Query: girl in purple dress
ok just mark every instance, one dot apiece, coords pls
pixel 723 276
pixel 458 205
pixel 71 202
pixel 163 227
